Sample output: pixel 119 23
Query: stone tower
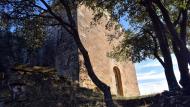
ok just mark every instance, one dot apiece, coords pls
pixel 120 76
pixel 60 51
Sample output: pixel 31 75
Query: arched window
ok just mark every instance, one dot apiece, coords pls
pixel 118 80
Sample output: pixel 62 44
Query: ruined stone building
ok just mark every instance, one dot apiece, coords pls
pixel 120 76
pixel 61 52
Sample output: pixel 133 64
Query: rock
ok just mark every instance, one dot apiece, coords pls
pixel 172 99
pixel 45 89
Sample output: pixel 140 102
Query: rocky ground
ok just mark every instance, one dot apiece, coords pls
pixel 164 99
pixel 171 99
pixel 42 87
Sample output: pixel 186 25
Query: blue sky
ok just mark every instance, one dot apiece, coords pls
pixel 151 77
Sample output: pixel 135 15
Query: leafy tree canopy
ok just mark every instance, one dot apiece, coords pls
pixel 139 42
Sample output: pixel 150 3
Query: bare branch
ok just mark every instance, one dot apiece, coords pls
pixel 177 20
pixel 183 26
pixel 39 7
pixel 59 19
pixel 156 51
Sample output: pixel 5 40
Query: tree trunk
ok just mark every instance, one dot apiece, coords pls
pixel 183 68
pixel 184 74
pixel 169 72
pixel 163 43
pixel 102 86
pixel 183 56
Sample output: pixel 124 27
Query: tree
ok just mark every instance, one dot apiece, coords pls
pixel 169 20
pixel 178 38
pixel 142 45
pixel 30 9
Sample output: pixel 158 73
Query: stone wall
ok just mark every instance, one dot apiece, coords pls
pixel 95 40
pixel 84 79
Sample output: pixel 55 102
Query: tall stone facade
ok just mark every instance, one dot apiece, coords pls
pixel 120 76
pixel 63 54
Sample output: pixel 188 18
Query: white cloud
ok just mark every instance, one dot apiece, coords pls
pixel 152 64
pixel 151 75
pixel 153 80
pixel 174 61
pixel 177 74
pixel 156 63
pixel 153 87
pixel 146 73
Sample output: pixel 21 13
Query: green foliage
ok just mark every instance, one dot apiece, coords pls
pixel 137 44
pixel 23 17
pixel 135 47
pixel 118 26
pixel 33 33
pixel 181 3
